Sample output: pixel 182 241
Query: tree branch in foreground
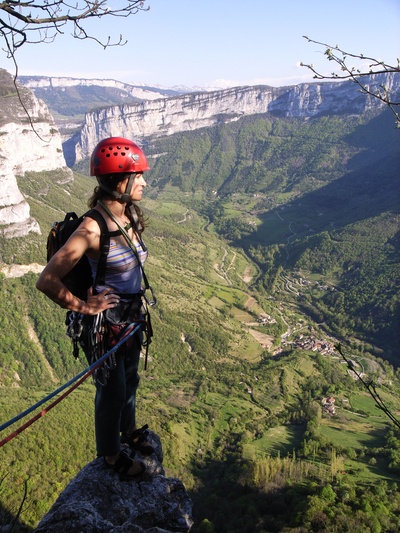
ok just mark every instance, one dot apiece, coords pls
pixel 23 22
pixel 368 66
pixel 32 22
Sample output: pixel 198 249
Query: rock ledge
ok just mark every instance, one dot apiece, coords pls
pixel 97 501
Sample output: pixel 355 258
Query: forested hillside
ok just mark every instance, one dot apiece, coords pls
pixel 317 200
pixel 270 240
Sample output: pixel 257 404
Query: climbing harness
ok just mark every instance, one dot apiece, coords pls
pixel 79 378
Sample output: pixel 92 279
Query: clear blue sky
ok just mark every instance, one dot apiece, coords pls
pixel 221 42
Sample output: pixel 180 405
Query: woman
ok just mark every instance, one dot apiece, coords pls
pixel 118 165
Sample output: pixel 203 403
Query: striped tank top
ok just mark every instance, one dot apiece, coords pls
pixel 123 274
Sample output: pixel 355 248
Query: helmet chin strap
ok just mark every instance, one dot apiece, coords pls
pixel 125 198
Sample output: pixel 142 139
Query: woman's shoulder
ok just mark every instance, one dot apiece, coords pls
pixel 88 229
pixel 99 217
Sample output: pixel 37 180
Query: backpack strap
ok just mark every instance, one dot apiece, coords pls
pixel 104 245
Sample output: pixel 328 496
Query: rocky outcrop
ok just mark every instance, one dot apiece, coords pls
pixel 96 501
pixel 29 141
pixel 166 116
pixel 17 271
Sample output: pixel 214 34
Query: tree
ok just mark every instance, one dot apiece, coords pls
pixel 32 22
pixel 368 66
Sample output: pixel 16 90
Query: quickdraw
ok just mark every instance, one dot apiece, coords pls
pixel 74 325
pixel 97 336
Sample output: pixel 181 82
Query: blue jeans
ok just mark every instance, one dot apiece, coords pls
pixel 115 401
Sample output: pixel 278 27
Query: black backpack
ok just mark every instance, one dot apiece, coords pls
pixel 79 279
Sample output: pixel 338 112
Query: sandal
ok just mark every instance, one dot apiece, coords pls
pixel 123 464
pixel 137 440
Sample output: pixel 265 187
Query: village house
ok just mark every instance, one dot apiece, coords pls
pixel 328 405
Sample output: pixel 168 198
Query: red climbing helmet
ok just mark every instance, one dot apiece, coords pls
pixel 117 155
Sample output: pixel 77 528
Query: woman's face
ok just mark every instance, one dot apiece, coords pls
pixel 138 186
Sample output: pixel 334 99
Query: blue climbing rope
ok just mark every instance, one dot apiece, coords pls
pixel 84 375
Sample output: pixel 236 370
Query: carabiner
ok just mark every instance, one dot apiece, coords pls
pixel 153 301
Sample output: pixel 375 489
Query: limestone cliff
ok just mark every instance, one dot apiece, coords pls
pixel 165 116
pixel 29 141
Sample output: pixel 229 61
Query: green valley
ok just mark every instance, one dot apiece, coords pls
pixel 271 240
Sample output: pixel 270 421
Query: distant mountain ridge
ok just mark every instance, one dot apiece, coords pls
pixel 69 99
pixel 151 112
pixel 188 112
pixel 34 82
pixel 103 108
pixel 137 90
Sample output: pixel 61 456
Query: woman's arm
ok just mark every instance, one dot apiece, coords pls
pixel 86 239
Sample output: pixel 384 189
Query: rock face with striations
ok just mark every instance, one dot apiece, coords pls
pixel 97 501
pixel 29 141
pixel 166 116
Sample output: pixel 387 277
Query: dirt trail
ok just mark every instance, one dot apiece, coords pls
pixel 246 275
pixel 35 339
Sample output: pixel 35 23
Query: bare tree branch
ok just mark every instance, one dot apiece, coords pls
pixel 40 21
pixel 369 66
pixel 17 89
pixel 28 21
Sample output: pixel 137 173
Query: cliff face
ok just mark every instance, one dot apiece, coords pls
pixel 166 116
pixel 24 147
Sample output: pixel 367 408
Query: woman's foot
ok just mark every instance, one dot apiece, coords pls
pixel 125 465
pixel 137 440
